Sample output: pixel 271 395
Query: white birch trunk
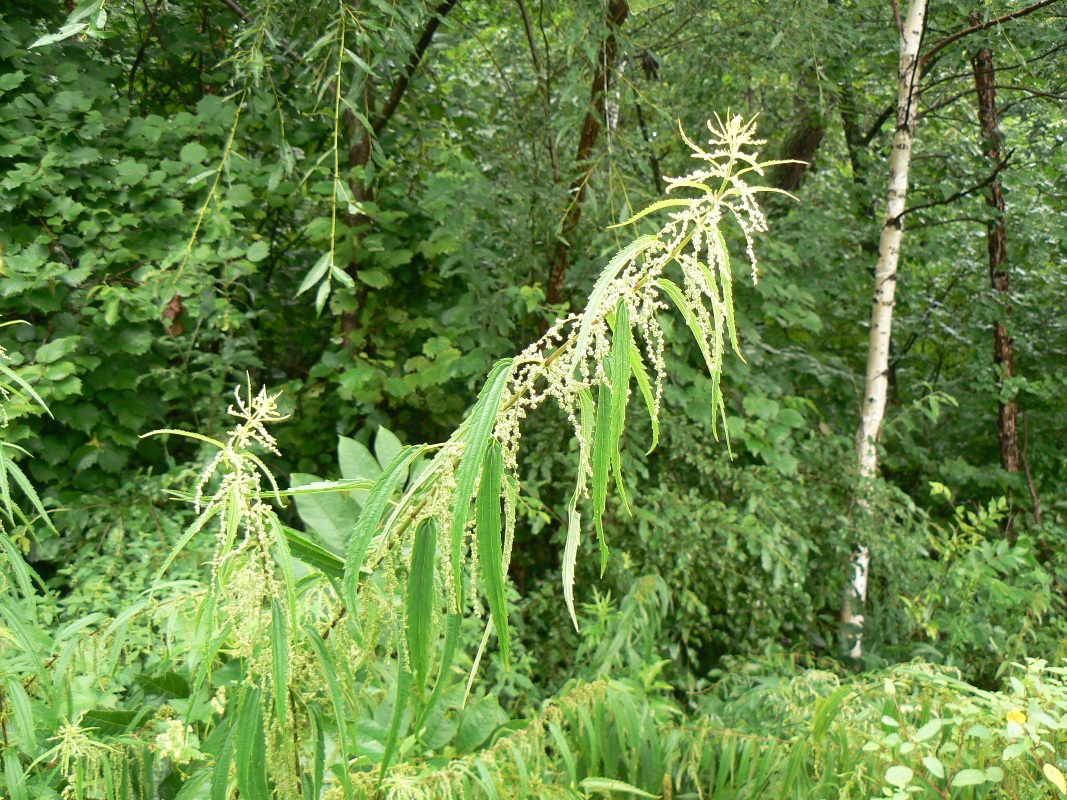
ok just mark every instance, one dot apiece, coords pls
pixel 885 284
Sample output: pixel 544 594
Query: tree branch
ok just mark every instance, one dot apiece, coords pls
pixel 413 64
pixel 1022 12
pixel 963 193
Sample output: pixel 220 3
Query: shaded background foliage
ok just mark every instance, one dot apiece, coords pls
pixel 168 186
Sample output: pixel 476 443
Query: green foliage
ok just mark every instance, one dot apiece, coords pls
pixel 361 207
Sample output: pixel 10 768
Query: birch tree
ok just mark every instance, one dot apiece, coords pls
pixel 885 283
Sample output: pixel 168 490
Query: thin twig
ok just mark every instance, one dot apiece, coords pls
pixel 1022 12
pixel 963 193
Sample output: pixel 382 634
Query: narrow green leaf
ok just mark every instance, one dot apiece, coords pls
pixel 250 746
pixel 403 692
pixel 726 278
pixel 23 714
pixel 220 774
pixel 318 766
pixel 714 364
pixel 640 373
pixel 447 656
pixel 825 710
pixel 611 271
pixel 370 517
pixel 15 471
pixel 421 598
pixel 602 447
pixel 313 554
pixel 341 715
pixel 674 202
pixel 476 441
pixel 621 345
pixel 195 528
pixel 609 786
pixel 280 653
pixel 574 519
pixel 490 552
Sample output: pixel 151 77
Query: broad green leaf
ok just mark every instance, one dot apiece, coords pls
pixel 421 599
pixel 1055 777
pixel 478 722
pixel 929 730
pixel 356 460
pixel 968 777
pixel 490 549
pixel 331 515
pixel 317 273
pixel 934 766
pixel 386 446
pixel 168 684
pixel 898 775
pixel 108 722
pixel 192 787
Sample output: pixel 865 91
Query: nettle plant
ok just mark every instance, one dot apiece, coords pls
pixel 325 638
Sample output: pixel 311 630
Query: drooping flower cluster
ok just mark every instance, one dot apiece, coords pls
pixel 572 356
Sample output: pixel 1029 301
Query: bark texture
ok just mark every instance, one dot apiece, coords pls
pixel 359 150
pixel 997 241
pixel 618 10
pixel 799 146
pixel 885 284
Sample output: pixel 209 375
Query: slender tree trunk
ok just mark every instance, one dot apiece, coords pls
pixel 997 240
pixel 885 283
pixel 618 10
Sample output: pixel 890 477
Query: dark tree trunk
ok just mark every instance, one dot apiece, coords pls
pixel 800 146
pixel 360 149
pixel 1003 350
pixel 618 10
